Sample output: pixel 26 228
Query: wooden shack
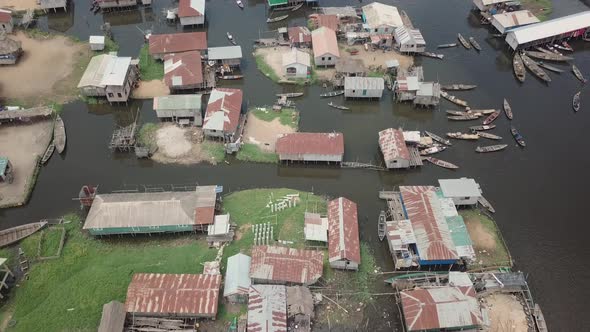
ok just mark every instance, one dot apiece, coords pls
pixel 227 55
pixel 182 109
pixel 109 76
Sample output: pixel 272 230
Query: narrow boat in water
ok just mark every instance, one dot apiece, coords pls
pixel 461 113
pixel 447 45
pixel 563 48
pixel 486 204
pixel 475 44
pixel 490 148
pixel 508 110
pixel 240 4
pixel 432 55
pixel 576 101
pixel 332 94
pixel 231 77
pixel 579 74
pixel 517 137
pixel 59 134
pixel 458 87
pixel 230 38
pixel 48 153
pixel 489 135
pixel 548 57
pixel 381 226
pixel 437 138
pixel 453 99
pixel 518 67
pixel 549 67
pixel 15 234
pixel 432 150
pixel 552 49
pixel 463 41
pixel 290 95
pixel 441 163
pixel 276 19
pixel 460 135
pixel 567 46
pixel 482 127
pixel 482 112
pixel 535 69
pixel 467 117
pixel 340 107
pixel 296 8
pixel 491 118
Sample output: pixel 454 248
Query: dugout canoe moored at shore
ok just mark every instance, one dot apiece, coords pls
pixel 437 138
pixel 458 87
pixel 463 41
pixel 535 69
pixel 441 163
pixel 490 148
pixel 453 99
pixel 489 135
pixel 518 67
pixel 460 135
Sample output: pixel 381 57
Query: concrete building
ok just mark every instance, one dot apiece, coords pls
pixel 223 114
pixel 325 47
pixel 109 75
pixel 282 265
pixel 237 278
pixel 315 227
pixel 296 64
pixel 267 308
pixel 381 19
pixel 191 12
pixel 441 309
pixel 409 40
pixel 462 191
pixel 394 149
pixel 571 26
pixel 152 212
pixel 160 45
pixel 182 109
pixel 6 22
pixel 510 20
pixel 323 147
pixel 343 235
pixel 226 55
pixel 55 4
pixel 299 37
pixel 173 295
pixel 364 87
pixel 184 71
pixel 96 43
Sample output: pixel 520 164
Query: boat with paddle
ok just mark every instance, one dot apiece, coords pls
pixel 490 148
pixel 441 163
pixel 381 226
pixel 437 138
pixel 517 137
pixel 332 94
pixel 340 107
pixel 508 110
pixel 576 101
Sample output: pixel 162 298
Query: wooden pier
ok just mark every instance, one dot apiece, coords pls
pixel 354 164
pixel 394 205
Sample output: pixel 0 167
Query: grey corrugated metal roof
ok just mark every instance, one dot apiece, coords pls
pixel 225 52
pixel 237 276
pixel 267 308
pixel 366 83
pixel 178 102
pixel 462 187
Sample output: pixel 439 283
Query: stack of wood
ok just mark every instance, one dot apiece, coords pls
pixel 140 324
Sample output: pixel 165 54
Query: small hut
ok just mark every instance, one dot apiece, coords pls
pixel 10 50
pixel 96 43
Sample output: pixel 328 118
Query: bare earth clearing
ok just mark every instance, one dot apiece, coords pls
pixel 180 145
pixel 150 89
pixel 19 4
pixel 264 133
pixel 482 238
pixel 45 71
pixel 273 56
pixel 506 313
pixel 22 144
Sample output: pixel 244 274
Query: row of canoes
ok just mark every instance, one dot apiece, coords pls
pixel 58 142
pixel 475 135
pixel 522 60
pixel 453 99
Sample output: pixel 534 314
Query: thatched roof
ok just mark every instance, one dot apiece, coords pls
pixel 8 46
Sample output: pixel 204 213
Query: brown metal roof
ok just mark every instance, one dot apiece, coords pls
pixel 178 42
pixel 287 265
pixel 180 295
pixel 392 144
pixel 440 308
pixel 299 35
pixel 324 42
pixel 228 101
pixel 328 21
pixel 205 215
pixel 311 143
pixel 183 69
pixel 343 231
pixel 5 16
pixel 267 308
pixel 186 10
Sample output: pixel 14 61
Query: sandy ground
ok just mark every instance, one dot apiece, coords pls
pixel 481 237
pixel 42 70
pixel 506 313
pixel 274 58
pixel 19 4
pixel 264 133
pixel 179 145
pixel 22 144
pixel 150 89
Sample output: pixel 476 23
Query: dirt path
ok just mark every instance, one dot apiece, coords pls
pixel 19 4
pixel 506 313
pixel 178 145
pixel 150 89
pixel 264 133
pixel 481 236
pixel 44 70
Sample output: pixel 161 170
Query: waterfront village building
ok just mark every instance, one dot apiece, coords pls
pixel 487 5
pixel 283 265
pixel 226 55
pixel 267 308
pixel 462 191
pixel 53 4
pixel 182 109
pixel 97 43
pixel 409 40
pixel 510 20
pixel 160 45
pixel 109 4
pixel 381 19
pixel 184 71
pixel 299 37
pixel 322 147
pixel 325 47
pixel 111 76
pixel 222 117
pixel 191 12
pixel 343 235
pixel 351 67
pixel 394 149
pixel 237 278
pixel 364 87
pixel 6 23
pixel 296 64
pixel 315 228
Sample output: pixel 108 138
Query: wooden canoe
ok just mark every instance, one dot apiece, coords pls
pixel 441 163
pixel 463 41
pixel 490 148
pixel 576 101
pixel 447 45
pixel 518 67
pixel 482 127
pixel 15 234
pixel 453 99
pixel 491 118
pixel 535 69
pixel 489 135
pixel 332 94
pixel 508 110
pixel 59 134
pixel 578 74
pixel 475 44
pixel 463 117
pixel 381 226
pixel 486 204
pixel 548 57
pixel 458 87
pixel 48 153
pixel 290 95
pixel 549 67
pixel 438 138
pixel 276 19
pixel 517 137
pixel 340 107
pixel 460 135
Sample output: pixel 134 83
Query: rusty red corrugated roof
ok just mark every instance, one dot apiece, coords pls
pixel 205 215
pixel 188 8
pixel 5 16
pixel 284 264
pixel 324 42
pixel 393 145
pixel 299 35
pixel 440 308
pixel 328 21
pixel 184 295
pixel 228 101
pixel 343 231
pixel 311 143
pixel 267 308
pixel 183 69
pixel 177 42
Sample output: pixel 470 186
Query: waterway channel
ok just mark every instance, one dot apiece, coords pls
pixel 539 192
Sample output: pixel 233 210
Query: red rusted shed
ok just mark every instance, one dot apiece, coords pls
pixel 286 265
pixel 311 143
pixel 343 232
pixel 267 308
pixel 177 42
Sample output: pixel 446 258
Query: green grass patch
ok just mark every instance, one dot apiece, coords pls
pixel 50 241
pixel 150 68
pixel 89 100
pixel 490 249
pixel 147 135
pixel 287 116
pixel 375 74
pixel 67 294
pixel 110 45
pixel 253 153
pixel 37 33
pixel 215 151
pixel 540 8
pixel 265 68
